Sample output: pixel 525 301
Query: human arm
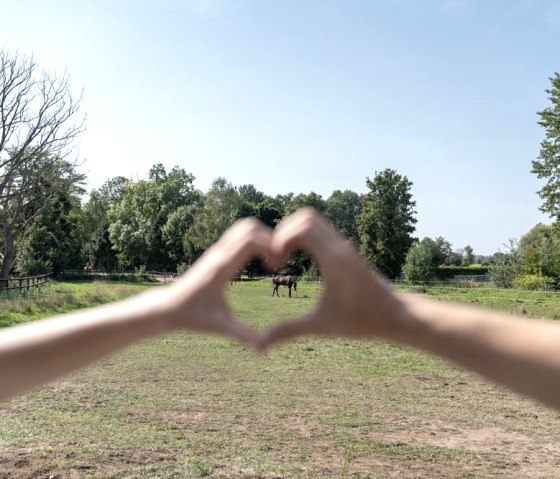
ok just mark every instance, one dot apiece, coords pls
pixel 520 353
pixel 40 351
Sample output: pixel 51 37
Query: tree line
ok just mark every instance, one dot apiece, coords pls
pixel 533 262
pixel 160 223
pixel 164 223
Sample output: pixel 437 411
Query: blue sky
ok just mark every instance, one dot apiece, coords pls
pixel 314 96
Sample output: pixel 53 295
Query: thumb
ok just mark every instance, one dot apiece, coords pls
pixel 307 325
pixel 241 332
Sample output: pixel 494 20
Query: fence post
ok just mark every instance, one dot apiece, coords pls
pixel 26 283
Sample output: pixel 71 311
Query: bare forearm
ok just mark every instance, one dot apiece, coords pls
pixel 520 353
pixel 39 352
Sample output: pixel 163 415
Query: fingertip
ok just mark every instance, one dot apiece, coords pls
pixel 261 349
pixel 286 331
pixel 274 262
pixel 242 333
pixel 269 264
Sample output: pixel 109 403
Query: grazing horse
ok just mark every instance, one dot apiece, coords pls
pixel 288 281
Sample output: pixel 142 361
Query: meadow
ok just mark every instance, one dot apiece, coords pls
pixel 192 406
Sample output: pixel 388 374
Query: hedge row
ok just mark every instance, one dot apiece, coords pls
pixel 448 272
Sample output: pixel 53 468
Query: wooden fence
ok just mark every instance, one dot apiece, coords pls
pixel 153 275
pixel 27 283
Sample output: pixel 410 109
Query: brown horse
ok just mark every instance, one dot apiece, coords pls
pixel 289 281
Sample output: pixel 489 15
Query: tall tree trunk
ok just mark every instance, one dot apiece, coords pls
pixel 8 260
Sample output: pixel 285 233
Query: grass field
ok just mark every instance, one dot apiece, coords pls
pixel 193 406
pixel 537 304
pixel 56 298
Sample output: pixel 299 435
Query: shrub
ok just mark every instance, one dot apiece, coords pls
pixel 182 267
pixel 419 266
pixel 312 273
pixel 506 268
pixel 533 282
pixel 34 267
pixel 141 270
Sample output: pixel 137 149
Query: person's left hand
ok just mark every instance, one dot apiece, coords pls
pixel 197 301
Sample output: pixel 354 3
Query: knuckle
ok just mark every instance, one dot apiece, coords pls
pixel 309 213
pixel 252 224
pixel 310 218
pixel 247 226
pixel 342 252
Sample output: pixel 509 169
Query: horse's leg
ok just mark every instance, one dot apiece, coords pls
pixel 275 290
pixel 289 291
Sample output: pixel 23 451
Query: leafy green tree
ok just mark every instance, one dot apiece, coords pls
pixel 506 266
pixel 37 190
pixel 312 199
pixel 455 258
pixel 420 264
pixel 483 260
pixel 255 203
pixel 132 226
pixel 424 258
pixel 172 233
pixel 97 246
pixel 300 260
pixel 387 222
pixel 250 194
pixel 38 127
pixel 547 165
pixel 540 251
pixel 138 220
pixel 343 209
pixel 54 242
pixel 266 209
pixel 250 199
pixel 269 211
pixel 282 201
pixel 468 256
pixel 442 249
pixel 221 208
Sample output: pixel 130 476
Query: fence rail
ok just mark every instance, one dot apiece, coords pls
pixel 28 282
pixel 154 275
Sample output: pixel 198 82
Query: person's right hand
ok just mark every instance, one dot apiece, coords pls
pixel 356 302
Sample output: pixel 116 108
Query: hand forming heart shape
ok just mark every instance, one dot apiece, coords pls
pixel 355 303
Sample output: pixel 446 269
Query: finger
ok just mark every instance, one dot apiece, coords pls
pixel 246 239
pixel 288 330
pixel 241 332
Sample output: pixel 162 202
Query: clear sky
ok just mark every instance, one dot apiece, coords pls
pixel 310 95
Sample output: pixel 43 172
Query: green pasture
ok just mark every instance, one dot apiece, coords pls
pixel 57 297
pixel 186 405
pixel 537 304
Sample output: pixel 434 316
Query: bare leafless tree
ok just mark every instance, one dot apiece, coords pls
pixel 39 123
